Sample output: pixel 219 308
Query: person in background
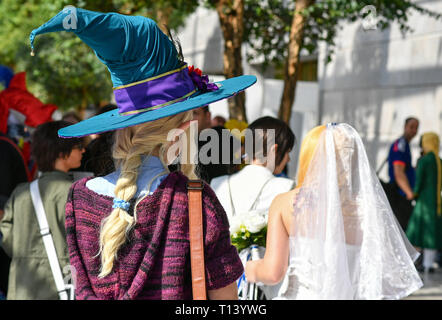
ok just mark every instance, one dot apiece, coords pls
pixel 98 156
pixel 401 172
pixel 203 116
pixel 237 129
pixel 71 117
pixel 13 168
pixel 5 261
pixel 425 227
pixel 208 171
pixel 238 192
pixel 13 171
pixel 20 113
pixel 255 186
pixel 218 121
pixel 30 275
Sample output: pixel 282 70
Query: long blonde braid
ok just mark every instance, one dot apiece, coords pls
pixel 130 144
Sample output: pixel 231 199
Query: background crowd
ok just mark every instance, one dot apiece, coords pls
pixel 129 166
pixel 412 192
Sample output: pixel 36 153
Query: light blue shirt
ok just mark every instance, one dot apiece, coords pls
pixel 150 168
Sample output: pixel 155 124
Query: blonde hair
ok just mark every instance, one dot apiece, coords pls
pixel 308 148
pixel 430 143
pixel 130 143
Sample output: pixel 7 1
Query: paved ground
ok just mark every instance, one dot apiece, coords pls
pixel 432 289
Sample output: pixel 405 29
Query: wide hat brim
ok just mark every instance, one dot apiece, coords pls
pixel 112 120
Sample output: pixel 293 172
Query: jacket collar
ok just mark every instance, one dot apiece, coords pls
pixel 56 174
pixel 257 170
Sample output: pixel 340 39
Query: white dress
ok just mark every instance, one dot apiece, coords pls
pixel 345 242
pixel 298 284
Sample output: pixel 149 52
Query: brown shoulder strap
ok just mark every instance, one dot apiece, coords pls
pixel 194 190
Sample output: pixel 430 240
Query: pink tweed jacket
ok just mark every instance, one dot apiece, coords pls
pixel 155 261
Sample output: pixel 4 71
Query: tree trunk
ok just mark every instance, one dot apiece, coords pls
pixel 231 15
pixel 293 59
pixel 81 110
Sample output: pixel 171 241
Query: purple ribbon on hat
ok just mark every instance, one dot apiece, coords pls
pixel 201 81
pixel 160 91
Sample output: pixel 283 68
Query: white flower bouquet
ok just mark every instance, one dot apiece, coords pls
pixel 248 228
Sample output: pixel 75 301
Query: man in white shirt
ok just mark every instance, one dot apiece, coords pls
pixel 255 186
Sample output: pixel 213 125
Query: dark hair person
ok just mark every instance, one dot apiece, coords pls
pixel 255 186
pixel 401 172
pixel 51 152
pixel 30 275
pixel 284 139
pixel 98 156
pixel 71 117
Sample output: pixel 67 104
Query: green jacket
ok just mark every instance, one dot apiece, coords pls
pixel 425 226
pixel 30 275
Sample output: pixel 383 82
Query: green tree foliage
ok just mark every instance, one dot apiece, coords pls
pixel 267 27
pixel 173 13
pixel 267 23
pixel 64 70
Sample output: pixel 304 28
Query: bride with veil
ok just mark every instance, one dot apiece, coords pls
pixel 336 229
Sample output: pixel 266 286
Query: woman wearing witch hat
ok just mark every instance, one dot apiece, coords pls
pixel 128 232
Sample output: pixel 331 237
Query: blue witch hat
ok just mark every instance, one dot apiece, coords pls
pixel 150 82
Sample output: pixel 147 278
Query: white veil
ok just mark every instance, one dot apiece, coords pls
pixel 345 242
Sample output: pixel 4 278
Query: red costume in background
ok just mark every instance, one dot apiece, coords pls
pixel 17 97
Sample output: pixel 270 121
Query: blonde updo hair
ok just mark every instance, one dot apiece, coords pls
pixel 130 144
pixel 308 148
